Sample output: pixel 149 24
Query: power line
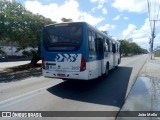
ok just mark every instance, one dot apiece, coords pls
pixel 153 13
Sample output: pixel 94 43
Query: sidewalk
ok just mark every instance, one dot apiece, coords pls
pixel 145 93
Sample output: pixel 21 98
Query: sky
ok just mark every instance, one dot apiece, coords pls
pixel 123 19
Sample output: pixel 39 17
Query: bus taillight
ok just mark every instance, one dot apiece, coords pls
pixel 43 64
pixel 83 64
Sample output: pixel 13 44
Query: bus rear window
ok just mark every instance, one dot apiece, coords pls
pixel 61 37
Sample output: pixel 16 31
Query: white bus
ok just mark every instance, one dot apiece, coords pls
pixel 78 51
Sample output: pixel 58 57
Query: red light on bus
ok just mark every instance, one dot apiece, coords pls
pixel 43 64
pixel 83 64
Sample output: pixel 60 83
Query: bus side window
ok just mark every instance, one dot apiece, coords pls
pixel 107 43
pixel 114 48
pixel 117 48
pixel 92 46
pixel 110 44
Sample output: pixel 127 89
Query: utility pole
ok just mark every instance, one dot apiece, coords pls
pixel 152 39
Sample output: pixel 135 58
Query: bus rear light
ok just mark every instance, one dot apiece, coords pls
pixel 43 64
pixel 83 64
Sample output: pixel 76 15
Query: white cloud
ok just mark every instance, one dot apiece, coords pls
pixel 104 11
pixel 142 36
pixel 99 1
pixel 131 5
pixel 126 33
pixel 90 19
pixel 93 9
pixel 102 1
pixel 93 1
pixel 70 9
pixel 99 5
pixel 107 27
pixel 117 17
pixel 126 18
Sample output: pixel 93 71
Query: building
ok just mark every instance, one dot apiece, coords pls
pixel 10 49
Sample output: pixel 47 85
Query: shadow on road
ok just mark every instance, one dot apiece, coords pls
pixel 105 91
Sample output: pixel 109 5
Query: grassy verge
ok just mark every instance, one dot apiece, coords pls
pixel 20 68
pixel 20 73
pixel 157 53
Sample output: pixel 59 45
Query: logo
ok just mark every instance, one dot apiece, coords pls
pixel 21 114
pixel 66 57
pixel 59 67
pixel 6 114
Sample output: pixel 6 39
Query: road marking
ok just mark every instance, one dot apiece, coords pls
pixel 22 97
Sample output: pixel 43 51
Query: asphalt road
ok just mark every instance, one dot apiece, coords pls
pixel 48 94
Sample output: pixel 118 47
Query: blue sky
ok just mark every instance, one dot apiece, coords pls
pixel 121 18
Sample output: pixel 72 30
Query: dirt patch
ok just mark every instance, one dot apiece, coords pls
pixel 20 68
pixel 20 72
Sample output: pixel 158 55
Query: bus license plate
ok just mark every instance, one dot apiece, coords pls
pixel 61 75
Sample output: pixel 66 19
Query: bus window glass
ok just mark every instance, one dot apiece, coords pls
pixel 63 38
pixel 106 46
pixel 92 46
pixel 110 45
pixel 117 48
pixel 114 48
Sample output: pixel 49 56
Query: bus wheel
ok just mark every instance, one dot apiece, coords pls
pixel 107 71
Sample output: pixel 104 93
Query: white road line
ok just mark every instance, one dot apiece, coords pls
pixel 25 94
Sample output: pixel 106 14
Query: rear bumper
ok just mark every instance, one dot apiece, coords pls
pixel 66 75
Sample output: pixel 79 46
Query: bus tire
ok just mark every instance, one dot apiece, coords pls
pixel 116 67
pixel 107 70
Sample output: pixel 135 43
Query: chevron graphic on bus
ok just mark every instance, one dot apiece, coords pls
pixel 66 57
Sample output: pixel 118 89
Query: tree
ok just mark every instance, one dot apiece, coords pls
pixel 1 51
pixel 125 48
pixel 131 48
pixel 23 27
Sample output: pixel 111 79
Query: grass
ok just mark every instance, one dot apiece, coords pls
pixel 20 68
pixel 157 53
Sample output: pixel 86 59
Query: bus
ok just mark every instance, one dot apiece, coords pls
pixel 77 50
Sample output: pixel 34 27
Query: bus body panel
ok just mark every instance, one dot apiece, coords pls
pixel 93 69
pixel 66 75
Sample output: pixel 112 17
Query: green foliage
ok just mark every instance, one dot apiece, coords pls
pixel 131 48
pixel 21 26
pixel 1 51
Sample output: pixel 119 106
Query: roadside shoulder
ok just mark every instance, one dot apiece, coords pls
pixel 145 93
